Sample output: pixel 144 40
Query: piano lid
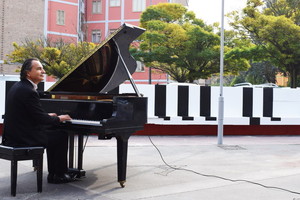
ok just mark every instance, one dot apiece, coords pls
pixel 105 68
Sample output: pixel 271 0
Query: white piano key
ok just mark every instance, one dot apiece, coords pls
pixel 84 122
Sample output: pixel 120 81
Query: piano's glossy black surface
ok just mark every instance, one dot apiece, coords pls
pixel 87 94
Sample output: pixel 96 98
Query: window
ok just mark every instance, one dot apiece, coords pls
pixel 114 3
pixel 96 36
pixel 111 31
pixel 138 5
pixel 97 6
pixel 60 17
pixel 140 67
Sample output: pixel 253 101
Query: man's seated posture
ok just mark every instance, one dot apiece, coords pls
pixel 27 124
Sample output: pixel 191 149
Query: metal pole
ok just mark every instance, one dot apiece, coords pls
pixel 150 69
pixel 46 20
pixel 221 98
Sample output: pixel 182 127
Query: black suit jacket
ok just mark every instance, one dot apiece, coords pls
pixel 25 119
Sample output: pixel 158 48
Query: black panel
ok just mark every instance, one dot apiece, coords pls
pixel 205 97
pixel 268 102
pixel 276 119
pixel 41 87
pixel 183 101
pixel 210 118
pixel 160 100
pixel 8 85
pixel 187 118
pixel 87 110
pixel 247 102
pixel 254 121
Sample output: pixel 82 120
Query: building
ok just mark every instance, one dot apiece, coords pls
pixel 62 20
pixel 19 20
pixel 102 17
pixel 73 21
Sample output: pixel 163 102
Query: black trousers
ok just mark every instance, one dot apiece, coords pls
pixel 57 151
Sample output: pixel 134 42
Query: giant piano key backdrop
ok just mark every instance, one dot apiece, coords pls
pixel 268 109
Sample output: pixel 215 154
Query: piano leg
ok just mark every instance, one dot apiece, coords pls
pixel 76 172
pixel 122 147
pixel 71 150
pixel 80 151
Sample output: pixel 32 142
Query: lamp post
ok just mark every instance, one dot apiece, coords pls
pixel 150 70
pixel 221 98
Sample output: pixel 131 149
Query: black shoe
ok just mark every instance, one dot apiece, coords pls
pixel 74 173
pixel 57 179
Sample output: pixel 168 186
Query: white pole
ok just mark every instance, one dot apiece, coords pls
pixel 46 19
pixel 221 98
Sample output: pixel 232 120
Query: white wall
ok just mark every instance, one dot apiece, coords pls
pixel 286 104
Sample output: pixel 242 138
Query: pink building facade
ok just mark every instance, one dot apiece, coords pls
pixel 104 16
pixel 62 20
pixel 94 20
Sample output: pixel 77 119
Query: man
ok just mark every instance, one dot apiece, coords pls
pixel 25 122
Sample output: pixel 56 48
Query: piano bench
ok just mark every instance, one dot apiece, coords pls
pixel 15 154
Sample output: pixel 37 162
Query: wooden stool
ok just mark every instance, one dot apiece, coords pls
pixel 15 154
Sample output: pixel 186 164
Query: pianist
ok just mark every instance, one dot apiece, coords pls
pixel 25 122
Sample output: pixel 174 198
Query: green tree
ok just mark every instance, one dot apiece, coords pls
pixel 258 73
pixel 57 57
pixel 273 26
pixel 179 44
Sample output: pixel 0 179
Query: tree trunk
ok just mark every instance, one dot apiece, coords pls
pixel 293 76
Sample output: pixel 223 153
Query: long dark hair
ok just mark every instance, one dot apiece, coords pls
pixel 26 67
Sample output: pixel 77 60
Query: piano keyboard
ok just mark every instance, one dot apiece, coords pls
pixel 84 122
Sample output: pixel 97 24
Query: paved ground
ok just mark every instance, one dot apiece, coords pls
pixel 245 167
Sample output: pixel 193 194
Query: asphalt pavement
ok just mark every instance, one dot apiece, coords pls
pixel 175 168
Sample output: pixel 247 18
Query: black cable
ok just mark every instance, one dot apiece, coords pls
pixel 219 177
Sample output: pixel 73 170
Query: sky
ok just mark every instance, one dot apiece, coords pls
pixel 210 10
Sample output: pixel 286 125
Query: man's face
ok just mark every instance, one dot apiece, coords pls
pixel 36 74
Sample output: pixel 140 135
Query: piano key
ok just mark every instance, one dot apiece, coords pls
pixel 84 122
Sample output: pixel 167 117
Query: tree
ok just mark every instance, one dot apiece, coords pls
pixel 57 58
pixel 258 73
pixel 179 44
pixel 273 26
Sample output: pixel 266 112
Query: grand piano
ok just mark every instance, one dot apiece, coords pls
pixel 89 94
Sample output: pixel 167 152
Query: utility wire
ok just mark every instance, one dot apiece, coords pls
pixel 219 177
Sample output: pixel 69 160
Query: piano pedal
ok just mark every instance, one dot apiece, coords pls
pixel 76 173
pixel 104 137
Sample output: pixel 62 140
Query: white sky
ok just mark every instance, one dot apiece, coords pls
pixel 210 10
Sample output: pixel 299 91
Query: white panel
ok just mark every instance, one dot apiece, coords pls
pixel 2 100
pixel 126 88
pixel 215 93
pixel 201 120
pixel 286 102
pixel 233 101
pixel 148 91
pixel 172 100
pixel 236 121
pixel 283 121
pixel 47 85
pixel 194 101
pixel 257 102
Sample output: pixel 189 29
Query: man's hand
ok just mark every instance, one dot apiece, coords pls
pixel 63 118
pixel 52 114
